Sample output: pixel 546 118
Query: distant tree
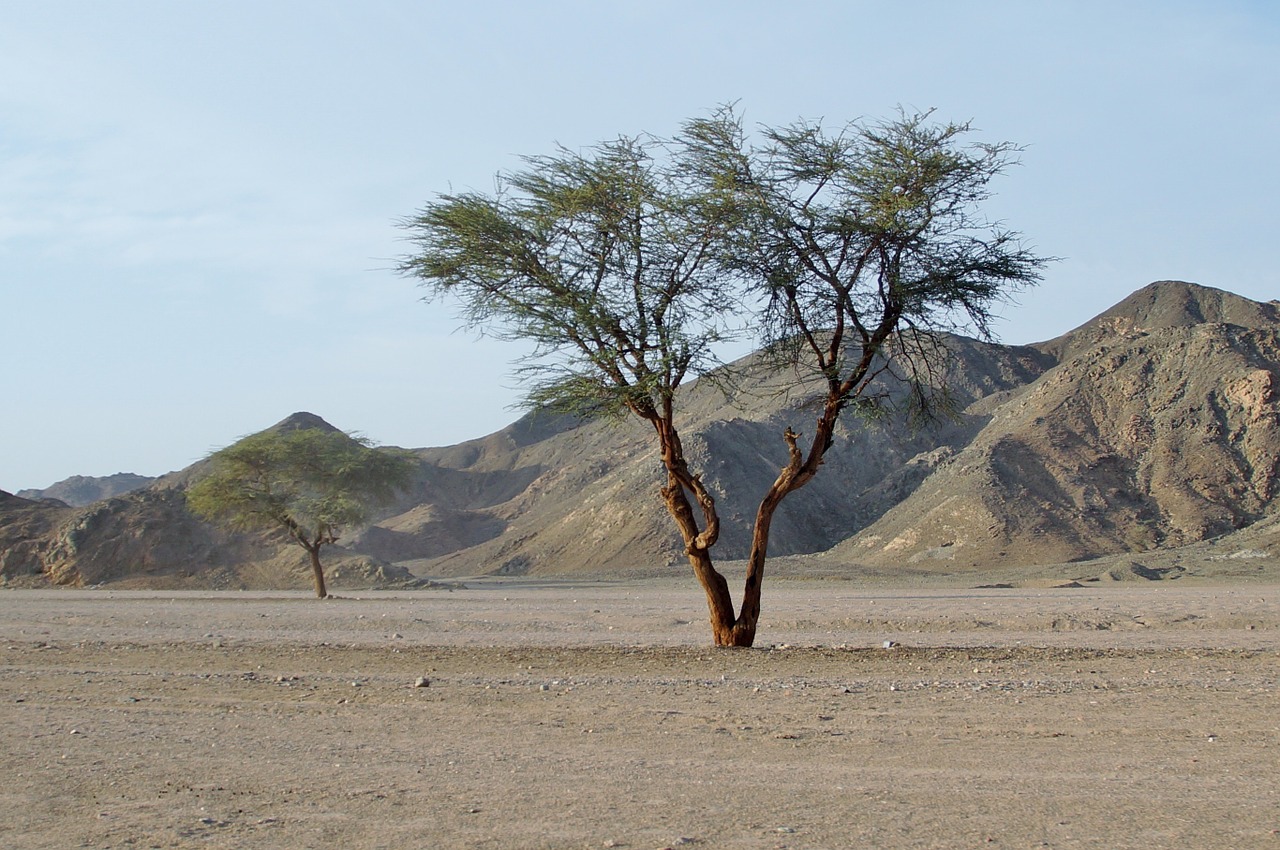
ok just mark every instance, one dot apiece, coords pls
pixel 627 265
pixel 310 482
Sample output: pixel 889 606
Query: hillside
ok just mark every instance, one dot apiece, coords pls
pixel 1145 436
pixel 1157 429
pixel 1151 427
pixel 79 490
pixel 148 538
pixel 553 496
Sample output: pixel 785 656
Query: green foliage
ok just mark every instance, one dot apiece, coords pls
pixel 628 264
pixel 311 482
pixel 863 244
pixel 603 259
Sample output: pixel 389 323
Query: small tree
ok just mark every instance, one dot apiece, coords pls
pixel 626 270
pixel 310 482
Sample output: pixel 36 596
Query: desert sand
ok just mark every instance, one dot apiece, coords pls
pixel 591 715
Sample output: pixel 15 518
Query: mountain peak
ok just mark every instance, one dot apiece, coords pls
pixel 1162 305
pixel 301 421
pixel 1176 303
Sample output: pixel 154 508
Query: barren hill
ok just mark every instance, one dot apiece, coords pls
pixel 1157 429
pixel 1147 430
pixel 80 490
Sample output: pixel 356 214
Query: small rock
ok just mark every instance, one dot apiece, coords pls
pixel 544 687
pixel 888 644
pixel 422 682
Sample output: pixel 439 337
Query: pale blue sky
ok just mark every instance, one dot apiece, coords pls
pixel 198 199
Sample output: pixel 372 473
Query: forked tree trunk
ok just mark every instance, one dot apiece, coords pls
pixel 316 570
pixel 312 545
pixel 800 469
pixel 728 629
pixel 719 601
pixel 697 542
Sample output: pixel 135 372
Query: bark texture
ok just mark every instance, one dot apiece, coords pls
pixel 317 570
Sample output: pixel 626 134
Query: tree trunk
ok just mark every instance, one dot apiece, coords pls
pixel 719 602
pixel 317 570
pixel 798 472
pixel 726 628
pixel 744 629
pixel 697 542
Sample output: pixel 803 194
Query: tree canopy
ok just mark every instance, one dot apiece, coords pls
pixel 310 482
pixel 869 235
pixel 850 253
pixel 604 259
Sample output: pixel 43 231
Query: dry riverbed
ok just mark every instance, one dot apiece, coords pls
pixel 517 714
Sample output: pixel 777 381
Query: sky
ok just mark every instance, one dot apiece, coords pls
pixel 199 200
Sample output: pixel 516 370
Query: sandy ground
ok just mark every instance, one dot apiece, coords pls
pixel 591 716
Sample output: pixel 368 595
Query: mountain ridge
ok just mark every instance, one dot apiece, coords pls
pixel 80 490
pixel 1151 428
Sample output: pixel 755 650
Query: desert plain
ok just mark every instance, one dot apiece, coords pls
pixel 527 714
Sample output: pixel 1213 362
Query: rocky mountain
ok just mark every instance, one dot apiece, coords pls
pixel 79 490
pixel 148 539
pixel 1142 443
pixel 1158 428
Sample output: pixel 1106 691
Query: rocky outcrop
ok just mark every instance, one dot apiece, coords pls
pixel 1158 434
pixel 26 536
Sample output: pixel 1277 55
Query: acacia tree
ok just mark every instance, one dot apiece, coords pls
pixel 310 482
pixel 625 269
